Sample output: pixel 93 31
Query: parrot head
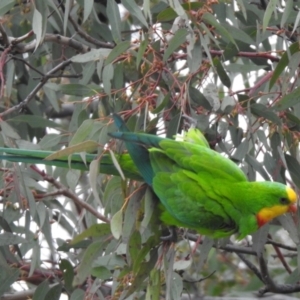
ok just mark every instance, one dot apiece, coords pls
pixel 283 201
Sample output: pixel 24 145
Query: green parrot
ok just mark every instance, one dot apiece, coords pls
pixel 197 187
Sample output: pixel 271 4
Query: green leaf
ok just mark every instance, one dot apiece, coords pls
pixel 150 243
pixel 162 105
pixel 195 56
pixel 113 14
pixel 176 5
pixel 116 224
pixel 7 239
pixel 221 72
pixel 178 39
pixel 257 166
pixel 134 9
pixel 52 95
pixel 10 73
pixel 283 63
pixel 107 75
pixel 49 141
pixel 87 146
pixel 288 100
pixel 198 98
pixel 241 151
pixel 68 273
pixel 94 231
pixel 149 207
pixel 241 6
pixel 294 168
pixel 76 89
pixel 296 23
pixel 154 285
pixel 117 51
pixel 37 26
pixel 41 291
pixel 93 174
pixel 101 272
pixel 34 121
pixel 141 51
pixel 8 130
pixel 177 286
pixel 8 276
pixel 169 13
pixel 134 245
pixel 82 132
pixel 143 273
pixel 93 55
pixel 6 5
pixel 209 18
pixel 204 248
pixel 287 11
pixel 261 110
pixel 131 214
pixel 293 118
pixel 78 294
pixel 85 267
pixel 288 224
pixel 268 13
pixel 238 34
pixel 54 293
pixel 88 8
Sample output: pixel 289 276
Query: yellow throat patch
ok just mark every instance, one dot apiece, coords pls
pixel 269 213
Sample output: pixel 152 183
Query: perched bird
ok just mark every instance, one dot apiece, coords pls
pixel 198 187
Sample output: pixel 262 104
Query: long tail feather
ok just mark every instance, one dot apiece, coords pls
pixel 106 164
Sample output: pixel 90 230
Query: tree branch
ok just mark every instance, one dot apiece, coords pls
pixel 68 193
pixel 31 95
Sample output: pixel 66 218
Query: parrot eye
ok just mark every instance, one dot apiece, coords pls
pixel 284 201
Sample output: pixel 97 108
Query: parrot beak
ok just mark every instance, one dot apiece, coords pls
pixel 293 208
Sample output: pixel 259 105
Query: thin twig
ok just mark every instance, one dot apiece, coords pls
pixel 250 265
pixel 228 247
pixel 68 193
pixel 280 256
pixel 271 286
pixel 89 38
pixel 290 248
pixel 31 95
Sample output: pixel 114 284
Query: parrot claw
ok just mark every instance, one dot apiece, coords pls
pixel 171 237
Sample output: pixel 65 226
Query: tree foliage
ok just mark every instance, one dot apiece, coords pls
pixel 65 66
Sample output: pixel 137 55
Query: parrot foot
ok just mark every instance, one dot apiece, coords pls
pixel 172 236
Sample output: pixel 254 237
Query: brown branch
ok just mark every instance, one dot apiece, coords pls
pixel 228 247
pixel 31 95
pixel 27 64
pixel 271 286
pixel 20 39
pixel 89 38
pixel 259 83
pixel 265 55
pixel 282 259
pixel 56 38
pixel 68 193
pixel 58 192
pixel 250 265
pixel 269 241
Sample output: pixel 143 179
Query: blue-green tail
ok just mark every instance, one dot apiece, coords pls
pixel 137 145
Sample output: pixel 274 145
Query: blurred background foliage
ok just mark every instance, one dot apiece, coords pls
pixel 65 66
